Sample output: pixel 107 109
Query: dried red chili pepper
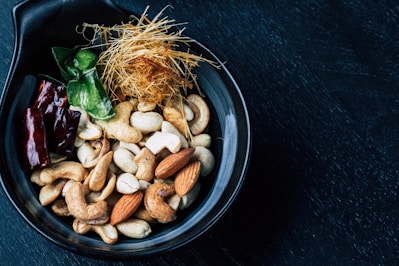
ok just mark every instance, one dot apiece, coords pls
pixel 61 125
pixel 51 93
pixel 36 150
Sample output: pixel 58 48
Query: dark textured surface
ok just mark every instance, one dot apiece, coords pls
pixel 321 82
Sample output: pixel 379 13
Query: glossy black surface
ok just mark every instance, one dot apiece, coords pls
pixel 320 79
pixel 229 129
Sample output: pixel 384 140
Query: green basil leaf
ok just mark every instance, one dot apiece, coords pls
pixel 62 55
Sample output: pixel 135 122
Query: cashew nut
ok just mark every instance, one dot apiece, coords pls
pixel 50 192
pixel 160 140
pixel 154 201
pixel 124 159
pixel 144 184
pixel 60 208
pixel 203 140
pixel 75 200
pixel 190 197
pixel 143 214
pixel 132 147
pixel 65 169
pixel 127 183
pixel 146 165
pixel 86 129
pixel 89 153
pixel 98 175
pixel 35 177
pixel 134 228
pixel 118 127
pixel 146 122
pixel 96 196
pixel 146 106
pixel 188 113
pixel 168 127
pixel 172 113
pixel 174 201
pixel 206 158
pixel 201 113
pixel 107 232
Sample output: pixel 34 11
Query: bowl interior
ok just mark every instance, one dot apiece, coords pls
pixel 229 128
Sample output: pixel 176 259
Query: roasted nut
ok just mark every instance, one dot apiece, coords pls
pixel 98 176
pixel 127 183
pixel 124 159
pixel 201 113
pixel 65 169
pixel 203 140
pixel 190 197
pixel 146 106
pixel 187 177
pixel 134 228
pixel 118 127
pixel 107 232
pixel 154 202
pixel 89 153
pixel 125 207
pixel 146 165
pixel 206 158
pixel 132 147
pixel 60 208
pixel 174 201
pixel 146 122
pixel 168 127
pixel 160 140
pixel 50 192
pixel 173 163
pixel 75 200
pixel 173 114
pixel 86 129
pixel 96 196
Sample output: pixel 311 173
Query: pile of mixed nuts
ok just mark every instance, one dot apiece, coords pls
pixel 132 171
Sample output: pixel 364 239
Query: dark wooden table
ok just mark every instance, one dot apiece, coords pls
pixel 321 81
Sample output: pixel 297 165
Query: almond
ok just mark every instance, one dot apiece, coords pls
pixel 173 163
pixel 187 177
pixel 125 207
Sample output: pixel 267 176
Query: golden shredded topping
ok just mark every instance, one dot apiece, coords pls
pixel 144 59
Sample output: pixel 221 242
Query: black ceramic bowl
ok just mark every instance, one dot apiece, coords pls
pixel 39 25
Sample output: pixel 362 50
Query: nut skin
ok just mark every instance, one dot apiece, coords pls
pixel 125 207
pixel 173 163
pixel 187 177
